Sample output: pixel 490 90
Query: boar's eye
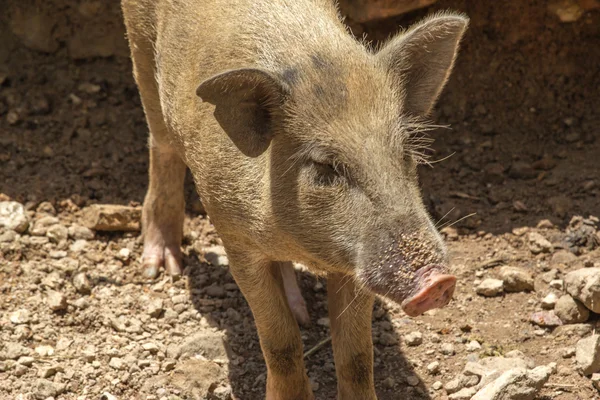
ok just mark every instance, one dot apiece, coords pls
pixel 328 174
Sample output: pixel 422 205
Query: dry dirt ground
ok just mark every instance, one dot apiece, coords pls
pixel 525 140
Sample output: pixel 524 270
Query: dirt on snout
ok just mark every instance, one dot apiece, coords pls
pixel 78 321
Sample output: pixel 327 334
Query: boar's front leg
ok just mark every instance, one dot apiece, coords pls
pixel 350 309
pixel 261 283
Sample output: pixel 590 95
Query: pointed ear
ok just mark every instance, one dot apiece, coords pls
pixel 421 59
pixel 248 103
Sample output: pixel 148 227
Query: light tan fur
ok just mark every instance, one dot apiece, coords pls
pixel 301 150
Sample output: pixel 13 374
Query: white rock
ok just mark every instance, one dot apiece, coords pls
pixel 78 246
pixel 20 317
pixel 117 363
pixel 584 285
pixel 473 345
pixel 587 355
pixel 549 301
pixel 517 384
pixel 557 284
pixel 490 287
pixel 44 350
pixel 447 349
pixel 13 216
pixel 155 307
pixel 433 368
pixel 413 338
pixel 151 347
pixel 82 283
pixel 26 361
pixel 123 254
pixel 216 256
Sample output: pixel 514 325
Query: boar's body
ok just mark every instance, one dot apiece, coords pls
pixel 303 145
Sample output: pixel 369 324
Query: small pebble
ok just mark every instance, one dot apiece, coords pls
pixel 433 368
pixel 413 338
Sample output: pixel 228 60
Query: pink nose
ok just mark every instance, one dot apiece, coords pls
pixel 436 294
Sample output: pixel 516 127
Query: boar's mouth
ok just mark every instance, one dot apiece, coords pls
pixel 417 291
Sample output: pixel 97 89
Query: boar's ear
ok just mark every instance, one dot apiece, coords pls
pixel 248 102
pixel 421 59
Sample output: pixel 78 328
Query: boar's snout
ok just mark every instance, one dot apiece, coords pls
pixel 436 290
pixel 411 270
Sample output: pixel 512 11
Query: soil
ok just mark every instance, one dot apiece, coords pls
pixel 523 146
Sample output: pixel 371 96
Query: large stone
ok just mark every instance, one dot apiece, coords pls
pixel 571 311
pixel 584 285
pixel 13 216
pixel 587 355
pixel 210 345
pixel 490 287
pixel 111 217
pixel 362 11
pixel 516 279
pixel 515 384
pixel 538 243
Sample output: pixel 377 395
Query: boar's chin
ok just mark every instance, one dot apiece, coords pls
pixel 416 291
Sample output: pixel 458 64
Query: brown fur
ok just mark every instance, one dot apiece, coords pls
pixel 300 151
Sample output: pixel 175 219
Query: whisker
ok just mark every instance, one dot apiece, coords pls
pixel 444 216
pixel 348 306
pixel 457 221
pixel 349 278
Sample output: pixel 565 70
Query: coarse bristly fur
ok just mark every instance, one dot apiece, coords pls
pixel 303 143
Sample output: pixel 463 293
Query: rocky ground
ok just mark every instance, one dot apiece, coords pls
pixel 78 321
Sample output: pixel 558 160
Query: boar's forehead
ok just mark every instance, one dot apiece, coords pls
pixel 331 86
pixel 348 103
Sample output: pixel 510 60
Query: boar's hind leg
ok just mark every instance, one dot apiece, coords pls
pixel 163 212
pixel 350 309
pixel 261 283
pixel 293 293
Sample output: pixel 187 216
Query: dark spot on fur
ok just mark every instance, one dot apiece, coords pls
pixel 319 62
pixel 283 361
pixel 291 76
pixel 318 91
pixel 359 370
